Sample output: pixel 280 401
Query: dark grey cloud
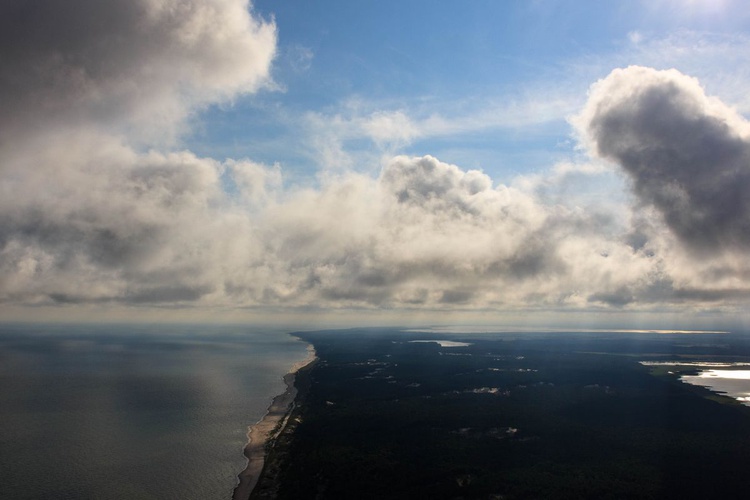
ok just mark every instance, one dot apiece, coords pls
pixel 617 298
pixel 124 64
pixel 713 294
pixel 169 294
pixel 687 154
pixel 456 296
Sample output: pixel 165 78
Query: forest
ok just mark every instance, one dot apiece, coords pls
pixel 511 416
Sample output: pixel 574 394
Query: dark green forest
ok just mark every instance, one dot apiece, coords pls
pixel 511 416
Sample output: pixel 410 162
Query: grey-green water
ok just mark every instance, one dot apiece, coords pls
pixel 123 412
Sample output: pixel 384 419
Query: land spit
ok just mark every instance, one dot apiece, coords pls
pixel 262 435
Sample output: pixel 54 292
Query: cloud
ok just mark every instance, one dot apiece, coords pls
pixel 720 60
pixel 392 126
pixel 458 117
pixel 635 37
pixel 299 58
pixel 426 234
pixel 97 207
pixel 344 135
pixel 687 154
pixel 86 215
pixel 133 64
pixel 110 223
pixel 156 228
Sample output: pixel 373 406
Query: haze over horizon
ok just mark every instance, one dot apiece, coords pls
pixel 528 163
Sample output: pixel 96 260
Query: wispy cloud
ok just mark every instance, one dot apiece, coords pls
pixel 346 134
pixel 359 132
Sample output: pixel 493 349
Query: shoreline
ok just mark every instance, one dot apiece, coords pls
pixel 263 432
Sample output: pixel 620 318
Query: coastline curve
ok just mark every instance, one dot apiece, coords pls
pixel 264 432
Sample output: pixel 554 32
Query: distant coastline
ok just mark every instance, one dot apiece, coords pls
pixel 267 429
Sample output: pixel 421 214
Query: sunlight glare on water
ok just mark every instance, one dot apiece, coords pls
pixel 730 374
pixel 732 383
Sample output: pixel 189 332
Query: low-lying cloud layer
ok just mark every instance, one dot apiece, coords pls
pixel 88 215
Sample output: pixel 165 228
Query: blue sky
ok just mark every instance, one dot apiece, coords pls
pixel 509 72
pixel 551 162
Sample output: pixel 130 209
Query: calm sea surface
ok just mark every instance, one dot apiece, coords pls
pixel 124 412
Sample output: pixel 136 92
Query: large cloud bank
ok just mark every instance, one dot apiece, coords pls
pixel 96 208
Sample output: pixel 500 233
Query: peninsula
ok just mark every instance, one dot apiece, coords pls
pixel 262 435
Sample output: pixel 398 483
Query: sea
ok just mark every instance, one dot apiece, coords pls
pixel 126 412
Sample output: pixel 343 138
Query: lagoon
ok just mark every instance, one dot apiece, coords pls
pixel 733 383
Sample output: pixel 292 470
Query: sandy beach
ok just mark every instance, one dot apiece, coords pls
pixel 266 430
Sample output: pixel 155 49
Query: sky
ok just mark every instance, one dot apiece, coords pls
pixel 572 163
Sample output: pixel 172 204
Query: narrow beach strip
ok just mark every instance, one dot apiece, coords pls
pixel 267 429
